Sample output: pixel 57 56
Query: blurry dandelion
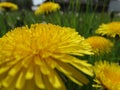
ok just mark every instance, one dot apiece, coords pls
pixel 30 58
pixel 107 75
pixel 111 29
pixel 47 7
pixel 100 45
pixel 8 6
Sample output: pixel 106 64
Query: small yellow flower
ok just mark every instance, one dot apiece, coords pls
pixel 8 6
pixel 30 58
pixel 107 75
pixel 47 7
pixel 111 29
pixel 100 44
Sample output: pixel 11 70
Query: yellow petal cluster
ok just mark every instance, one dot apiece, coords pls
pixel 100 45
pixel 111 29
pixel 8 5
pixel 47 7
pixel 107 75
pixel 31 57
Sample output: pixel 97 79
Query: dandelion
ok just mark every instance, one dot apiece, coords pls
pixel 111 29
pixel 100 45
pixel 107 75
pixel 47 7
pixel 7 6
pixel 30 58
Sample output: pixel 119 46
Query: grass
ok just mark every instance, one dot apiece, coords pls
pixel 84 22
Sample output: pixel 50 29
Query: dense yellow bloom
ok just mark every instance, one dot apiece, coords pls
pixel 107 75
pixel 100 44
pixel 8 6
pixel 30 58
pixel 111 29
pixel 47 8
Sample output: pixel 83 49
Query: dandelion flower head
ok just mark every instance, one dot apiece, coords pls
pixel 31 57
pixel 47 7
pixel 100 44
pixel 8 6
pixel 111 29
pixel 107 75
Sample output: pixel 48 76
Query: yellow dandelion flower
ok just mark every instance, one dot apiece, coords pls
pixel 107 75
pixel 30 58
pixel 111 29
pixel 47 8
pixel 8 6
pixel 100 44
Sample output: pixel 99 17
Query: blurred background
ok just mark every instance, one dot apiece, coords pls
pixel 28 4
